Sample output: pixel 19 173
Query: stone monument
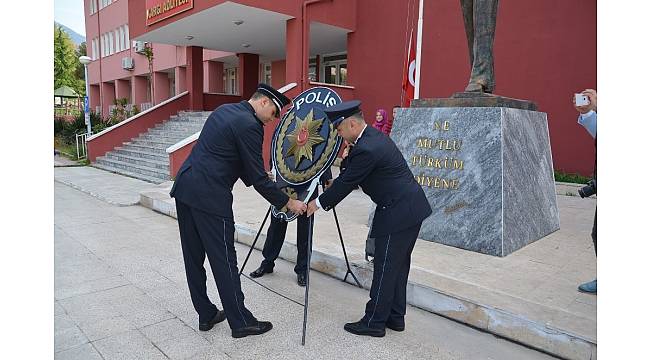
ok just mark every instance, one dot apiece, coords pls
pixel 483 160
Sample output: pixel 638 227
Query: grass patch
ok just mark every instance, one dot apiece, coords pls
pixel 68 150
pixel 570 178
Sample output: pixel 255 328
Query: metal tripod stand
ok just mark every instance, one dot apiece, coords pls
pixel 309 247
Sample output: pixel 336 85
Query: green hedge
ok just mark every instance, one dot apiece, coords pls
pixel 67 130
pixel 570 178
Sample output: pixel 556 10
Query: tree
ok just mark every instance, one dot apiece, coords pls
pixel 81 51
pixel 64 60
pixel 148 53
pixel 79 70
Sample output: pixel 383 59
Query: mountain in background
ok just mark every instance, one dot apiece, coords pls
pixel 75 37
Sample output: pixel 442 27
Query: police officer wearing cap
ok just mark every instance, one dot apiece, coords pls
pixel 229 148
pixel 378 167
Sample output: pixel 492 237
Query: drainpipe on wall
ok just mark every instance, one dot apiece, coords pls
pixel 99 46
pixel 305 49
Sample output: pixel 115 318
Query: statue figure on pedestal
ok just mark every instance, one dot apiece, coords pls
pixel 480 18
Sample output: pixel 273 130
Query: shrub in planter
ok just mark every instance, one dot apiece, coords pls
pixel 59 125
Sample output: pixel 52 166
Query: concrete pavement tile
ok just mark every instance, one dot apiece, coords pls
pixel 210 353
pixel 189 317
pixel 183 347
pixel 148 279
pixel 67 334
pixel 58 309
pixel 83 352
pixel 581 309
pixel 173 293
pixel 125 263
pixel 588 299
pixel 121 292
pixel 104 284
pixel 80 272
pixel 100 328
pixel 166 330
pixel 87 306
pixel 128 345
pixel 136 212
pixel 141 311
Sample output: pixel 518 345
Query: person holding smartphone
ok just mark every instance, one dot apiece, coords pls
pixel 585 103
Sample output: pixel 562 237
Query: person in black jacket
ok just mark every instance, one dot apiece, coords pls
pixel 377 165
pixel 275 238
pixel 229 148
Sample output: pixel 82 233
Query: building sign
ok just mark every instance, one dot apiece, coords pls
pixel 162 9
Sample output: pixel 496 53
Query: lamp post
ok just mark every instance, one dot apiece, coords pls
pixel 85 60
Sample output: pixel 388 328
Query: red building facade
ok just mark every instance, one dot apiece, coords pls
pixel 545 50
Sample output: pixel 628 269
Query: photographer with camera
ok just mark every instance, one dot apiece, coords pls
pixel 585 103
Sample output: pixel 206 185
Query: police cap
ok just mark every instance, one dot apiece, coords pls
pixel 340 112
pixel 278 99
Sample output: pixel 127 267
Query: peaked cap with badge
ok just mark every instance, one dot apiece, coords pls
pixel 340 112
pixel 278 98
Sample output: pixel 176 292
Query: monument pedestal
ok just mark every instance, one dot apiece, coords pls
pixel 487 173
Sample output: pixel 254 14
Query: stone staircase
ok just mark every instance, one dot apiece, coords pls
pixel 145 157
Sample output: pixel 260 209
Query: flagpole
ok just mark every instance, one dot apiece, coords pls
pixel 418 54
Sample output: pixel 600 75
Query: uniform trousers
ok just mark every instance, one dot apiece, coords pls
pixel 275 238
pixel 205 233
pixel 391 267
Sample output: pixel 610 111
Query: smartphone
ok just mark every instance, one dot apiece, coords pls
pixel 581 100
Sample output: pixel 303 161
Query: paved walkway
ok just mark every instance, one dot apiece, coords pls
pixel 121 294
pixel 529 296
pixel 60 160
pixel 109 187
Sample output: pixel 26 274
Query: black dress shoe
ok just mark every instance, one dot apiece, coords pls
pixel 260 272
pixel 260 328
pixel 219 317
pixel 395 325
pixel 359 328
pixel 302 280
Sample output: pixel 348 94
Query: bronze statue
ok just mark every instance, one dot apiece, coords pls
pixel 480 17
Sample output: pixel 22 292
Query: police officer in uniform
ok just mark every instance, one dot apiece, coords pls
pixel 275 238
pixel 229 148
pixel 378 167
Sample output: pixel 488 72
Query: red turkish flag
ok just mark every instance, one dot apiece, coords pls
pixel 408 81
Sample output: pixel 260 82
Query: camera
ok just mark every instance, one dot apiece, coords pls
pixel 588 190
pixel 581 100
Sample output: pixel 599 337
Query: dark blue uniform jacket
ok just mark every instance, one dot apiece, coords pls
pixel 229 148
pixel 375 164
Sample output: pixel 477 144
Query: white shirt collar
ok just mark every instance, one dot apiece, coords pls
pixel 361 133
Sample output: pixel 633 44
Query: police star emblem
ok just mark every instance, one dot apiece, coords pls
pixel 304 137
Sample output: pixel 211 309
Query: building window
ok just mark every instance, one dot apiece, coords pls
pixel 92 6
pixel 266 73
pixel 335 69
pixel 171 75
pixel 103 45
pixel 126 36
pixel 105 3
pixel 122 40
pixel 118 40
pixel 94 48
pixel 312 70
pixel 230 81
pixel 111 43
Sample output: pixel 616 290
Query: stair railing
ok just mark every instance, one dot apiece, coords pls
pixel 82 149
